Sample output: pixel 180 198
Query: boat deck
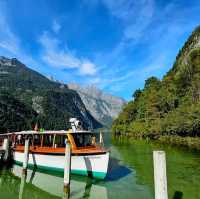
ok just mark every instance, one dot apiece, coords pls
pixel 61 150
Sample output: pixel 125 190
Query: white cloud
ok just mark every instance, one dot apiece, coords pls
pixel 152 67
pixel 8 41
pixel 136 15
pixel 157 30
pixel 10 44
pixel 94 81
pixel 87 68
pixel 56 56
pixel 56 26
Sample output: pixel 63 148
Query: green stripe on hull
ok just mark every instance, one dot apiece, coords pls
pixel 94 174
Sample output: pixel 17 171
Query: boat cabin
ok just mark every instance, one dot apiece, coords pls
pixel 55 141
pixel 81 141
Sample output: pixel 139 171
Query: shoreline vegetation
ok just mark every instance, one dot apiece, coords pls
pixel 167 110
pixel 188 142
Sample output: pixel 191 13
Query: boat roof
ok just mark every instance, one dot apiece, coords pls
pixel 49 132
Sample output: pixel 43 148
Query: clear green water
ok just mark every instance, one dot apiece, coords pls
pixel 130 176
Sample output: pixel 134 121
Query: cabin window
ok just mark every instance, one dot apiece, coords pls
pixel 20 139
pixel 84 139
pixel 47 140
pixel 60 140
pixel 36 139
pixel 53 140
pixel 42 140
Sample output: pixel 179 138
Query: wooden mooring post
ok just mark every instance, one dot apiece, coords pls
pixel 22 183
pixel 5 149
pixel 67 170
pixel 160 175
pixel 26 155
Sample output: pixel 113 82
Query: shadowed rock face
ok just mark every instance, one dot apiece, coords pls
pixel 102 106
pixel 51 102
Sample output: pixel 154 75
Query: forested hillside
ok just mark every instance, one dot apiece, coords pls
pixel 170 106
pixel 27 98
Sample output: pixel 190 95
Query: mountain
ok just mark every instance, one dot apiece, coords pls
pixel 102 106
pixel 14 114
pixel 170 106
pixel 32 98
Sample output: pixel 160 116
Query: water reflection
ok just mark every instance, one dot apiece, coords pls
pixel 116 171
pixel 130 176
pixel 66 193
pixel 36 184
pixel 183 171
pixel 178 195
pixel 21 189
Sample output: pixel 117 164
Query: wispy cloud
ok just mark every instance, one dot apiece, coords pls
pixel 144 38
pixel 136 15
pixel 10 44
pixel 156 31
pixel 87 68
pixel 56 26
pixel 8 41
pixel 54 54
pixel 137 73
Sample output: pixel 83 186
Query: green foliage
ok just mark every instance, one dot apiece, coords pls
pixel 152 82
pixel 170 106
pixel 31 98
pixel 137 94
pixel 15 115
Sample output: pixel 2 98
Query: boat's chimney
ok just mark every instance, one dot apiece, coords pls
pixel 72 122
pixel 75 124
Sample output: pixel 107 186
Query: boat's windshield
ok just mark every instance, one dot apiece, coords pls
pixel 84 139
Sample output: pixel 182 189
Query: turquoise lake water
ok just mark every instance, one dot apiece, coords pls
pixel 130 176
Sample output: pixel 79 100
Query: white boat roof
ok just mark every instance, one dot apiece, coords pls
pixel 39 132
pixel 61 132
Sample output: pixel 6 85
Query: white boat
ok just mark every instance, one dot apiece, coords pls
pixel 47 150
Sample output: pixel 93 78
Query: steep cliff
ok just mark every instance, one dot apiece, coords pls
pixel 102 106
pixel 52 103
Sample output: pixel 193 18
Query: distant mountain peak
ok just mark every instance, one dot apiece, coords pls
pixel 10 62
pixel 103 106
pixel 93 90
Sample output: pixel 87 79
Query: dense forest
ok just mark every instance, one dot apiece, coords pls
pixel 170 106
pixel 28 98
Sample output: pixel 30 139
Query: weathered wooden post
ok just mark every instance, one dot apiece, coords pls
pixel 160 175
pixel 67 168
pixel 21 189
pixel 26 155
pixel 6 149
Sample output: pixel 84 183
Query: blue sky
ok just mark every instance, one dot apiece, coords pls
pixel 114 44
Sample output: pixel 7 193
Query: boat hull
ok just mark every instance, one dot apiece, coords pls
pixel 89 165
